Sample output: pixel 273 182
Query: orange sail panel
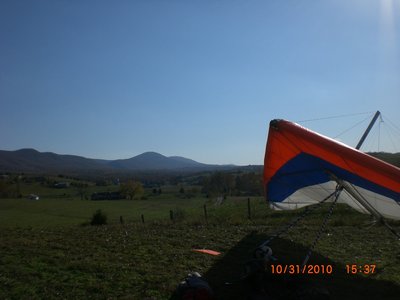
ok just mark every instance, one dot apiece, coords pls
pixel 207 251
pixel 302 167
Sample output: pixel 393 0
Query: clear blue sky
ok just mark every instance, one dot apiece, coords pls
pixel 200 79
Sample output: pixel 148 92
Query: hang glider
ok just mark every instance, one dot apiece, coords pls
pixel 302 167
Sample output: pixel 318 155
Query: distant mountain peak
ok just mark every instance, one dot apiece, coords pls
pixel 27 150
pixel 152 161
pixel 150 153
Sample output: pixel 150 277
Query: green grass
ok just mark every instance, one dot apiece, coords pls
pixel 61 212
pixel 72 211
pixel 147 261
pixel 47 253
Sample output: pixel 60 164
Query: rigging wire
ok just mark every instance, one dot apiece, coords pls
pixel 370 144
pixel 321 230
pixel 294 222
pixel 384 123
pixel 385 134
pixel 334 117
pixel 393 132
pixel 345 131
pixel 379 133
pixel 390 137
pixel 393 124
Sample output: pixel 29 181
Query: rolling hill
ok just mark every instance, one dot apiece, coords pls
pixel 154 161
pixel 33 161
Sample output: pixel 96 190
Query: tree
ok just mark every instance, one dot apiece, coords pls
pixel 131 189
pixel 250 184
pixel 6 189
pixel 219 184
pixel 81 187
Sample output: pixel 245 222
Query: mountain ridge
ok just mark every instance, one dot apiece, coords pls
pixel 31 160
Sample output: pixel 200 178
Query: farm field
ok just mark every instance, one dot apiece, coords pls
pixel 48 250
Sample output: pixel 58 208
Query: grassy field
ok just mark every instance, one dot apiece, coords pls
pixel 72 212
pixel 47 252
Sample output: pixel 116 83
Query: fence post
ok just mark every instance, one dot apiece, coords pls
pixel 171 215
pixel 205 212
pixel 142 216
pixel 248 209
pixel 121 219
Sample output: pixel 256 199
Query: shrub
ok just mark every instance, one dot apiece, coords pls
pixel 99 218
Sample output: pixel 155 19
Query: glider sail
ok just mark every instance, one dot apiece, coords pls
pixel 302 167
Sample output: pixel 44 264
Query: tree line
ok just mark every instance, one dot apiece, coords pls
pixel 228 184
pixel 209 184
